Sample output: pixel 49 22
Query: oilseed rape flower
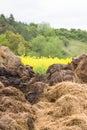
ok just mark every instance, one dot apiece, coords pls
pixel 40 65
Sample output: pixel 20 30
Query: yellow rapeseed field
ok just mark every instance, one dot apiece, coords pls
pixel 40 65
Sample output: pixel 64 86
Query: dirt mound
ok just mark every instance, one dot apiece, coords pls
pixel 57 73
pixel 34 92
pixel 14 73
pixel 57 67
pixel 62 107
pixel 28 103
pixel 79 66
pixel 76 71
pixel 16 77
pixel 15 111
pixel 21 121
pixel 23 78
pixel 8 59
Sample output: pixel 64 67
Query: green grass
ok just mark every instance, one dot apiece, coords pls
pixel 75 48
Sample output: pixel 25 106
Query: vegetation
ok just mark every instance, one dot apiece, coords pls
pixel 40 65
pixel 40 39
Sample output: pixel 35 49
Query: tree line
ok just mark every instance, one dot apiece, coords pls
pixel 37 39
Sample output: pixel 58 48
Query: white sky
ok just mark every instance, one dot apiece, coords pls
pixel 59 13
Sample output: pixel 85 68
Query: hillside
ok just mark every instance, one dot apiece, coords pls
pixel 75 48
pixel 40 39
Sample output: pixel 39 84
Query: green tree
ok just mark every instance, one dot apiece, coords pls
pixel 32 31
pixel 43 27
pixel 3 24
pixel 37 45
pixel 53 47
pixel 3 40
pixel 21 49
pixel 11 19
pixel 17 43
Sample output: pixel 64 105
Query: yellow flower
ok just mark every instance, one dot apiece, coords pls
pixel 41 64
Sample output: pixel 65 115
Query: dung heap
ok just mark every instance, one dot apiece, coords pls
pixel 30 101
pixel 15 112
pixel 62 107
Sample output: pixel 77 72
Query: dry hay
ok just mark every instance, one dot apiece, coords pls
pixel 67 105
pixel 70 128
pixel 62 107
pixel 78 121
pixel 63 88
pixel 19 121
pixel 15 112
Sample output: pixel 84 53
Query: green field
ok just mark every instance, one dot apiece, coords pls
pixel 76 48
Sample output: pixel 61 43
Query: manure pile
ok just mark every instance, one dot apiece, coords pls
pixel 30 101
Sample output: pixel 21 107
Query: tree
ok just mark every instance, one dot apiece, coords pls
pixel 3 40
pixel 11 18
pixel 53 47
pixel 17 43
pixel 21 49
pixel 32 31
pixel 37 45
pixel 43 27
pixel 3 24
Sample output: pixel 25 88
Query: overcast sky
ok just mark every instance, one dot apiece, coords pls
pixel 59 13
